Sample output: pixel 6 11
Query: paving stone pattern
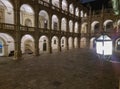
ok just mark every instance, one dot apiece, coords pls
pixel 73 69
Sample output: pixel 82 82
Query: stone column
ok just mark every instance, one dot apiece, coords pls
pixel 17 52
pixel 73 46
pixel 79 32
pixel 60 23
pixel 49 45
pixel 59 44
pixel 67 44
pixel 36 31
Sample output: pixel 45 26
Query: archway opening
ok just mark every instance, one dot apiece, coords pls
pixel 92 43
pixel 76 42
pixel 70 42
pixel 6 45
pixel 63 43
pixel 43 44
pixel 55 44
pixel 27 44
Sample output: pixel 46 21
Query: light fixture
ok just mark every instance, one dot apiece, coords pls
pixel 104 47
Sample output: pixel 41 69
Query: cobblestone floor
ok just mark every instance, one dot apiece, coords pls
pixel 73 69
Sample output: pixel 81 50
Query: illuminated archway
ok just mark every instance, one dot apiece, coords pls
pixel 43 19
pixel 43 44
pixel 63 43
pixel 27 44
pixel 6 45
pixel 92 43
pixel 55 44
pixel 26 13
pixel 6 12
pixel 55 23
pixel 70 42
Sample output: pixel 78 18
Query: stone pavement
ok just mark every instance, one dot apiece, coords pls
pixel 73 69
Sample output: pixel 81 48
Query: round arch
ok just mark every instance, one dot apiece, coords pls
pixel 63 43
pixel 43 19
pixel 70 42
pixel 26 12
pixel 108 24
pixel 6 45
pixel 55 22
pixel 27 44
pixel 84 28
pixel 95 27
pixel 76 27
pixel 55 44
pixel 117 45
pixel 70 26
pixel 63 24
pixel 64 5
pixel 71 8
pixel 56 3
pixel 76 42
pixel 43 44
pixel 7 12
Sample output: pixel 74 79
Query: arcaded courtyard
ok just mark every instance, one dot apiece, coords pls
pixel 73 69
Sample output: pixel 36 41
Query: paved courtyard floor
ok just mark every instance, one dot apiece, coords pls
pixel 73 69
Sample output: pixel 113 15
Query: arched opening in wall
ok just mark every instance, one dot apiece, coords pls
pixel 6 12
pixel 28 23
pixel 83 42
pixel 63 43
pixel 64 5
pixel 43 19
pixel 84 28
pixel 27 44
pixel 70 26
pixel 117 45
pixel 63 24
pixel 92 43
pixel 77 11
pixel 55 23
pixel 6 45
pixel 85 15
pixel 55 3
pixel 95 27
pixel 108 26
pixel 26 14
pixel 55 44
pixel 76 42
pixel 70 42
pixel 76 27
pixel 81 13
pixel 71 9
pixel 43 44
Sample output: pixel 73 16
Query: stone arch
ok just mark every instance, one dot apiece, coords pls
pixel 77 11
pixel 64 5
pixel 70 42
pixel 76 42
pixel 92 43
pixel 95 27
pixel 55 44
pixel 7 12
pixel 6 45
pixel 43 44
pixel 56 3
pixel 83 42
pixel 70 26
pixel 55 22
pixel 63 24
pixel 63 43
pixel 108 26
pixel 43 19
pixel 71 8
pixel 76 27
pixel 117 44
pixel 26 12
pixel 27 44
pixel 81 13
pixel 84 28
